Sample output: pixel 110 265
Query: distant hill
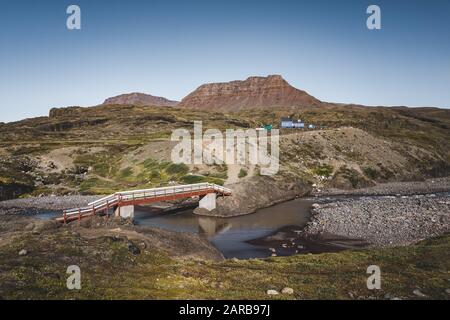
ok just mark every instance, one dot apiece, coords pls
pixel 139 99
pixel 254 92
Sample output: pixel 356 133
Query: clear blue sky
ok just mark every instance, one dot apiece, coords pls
pixel 168 48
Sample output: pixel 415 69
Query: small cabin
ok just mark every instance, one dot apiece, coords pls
pixel 298 124
pixel 291 123
pixel 287 123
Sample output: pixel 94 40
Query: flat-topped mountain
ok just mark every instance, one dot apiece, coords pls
pixel 254 92
pixel 140 99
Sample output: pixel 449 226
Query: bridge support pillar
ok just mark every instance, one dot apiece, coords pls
pixel 208 202
pixel 125 212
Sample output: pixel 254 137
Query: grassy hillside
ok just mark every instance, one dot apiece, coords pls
pixel 111 270
pixel 106 148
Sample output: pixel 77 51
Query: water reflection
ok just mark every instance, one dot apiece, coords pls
pixel 210 227
pixel 229 235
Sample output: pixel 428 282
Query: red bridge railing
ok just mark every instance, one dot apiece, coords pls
pixel 135 197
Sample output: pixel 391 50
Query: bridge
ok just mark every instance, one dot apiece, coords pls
pixel 123 202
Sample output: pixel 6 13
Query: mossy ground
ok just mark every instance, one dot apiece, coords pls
pixel 110 271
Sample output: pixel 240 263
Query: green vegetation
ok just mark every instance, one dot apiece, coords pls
pixel 242 173
pixel 153 274
pixel 325 170
pixel 177 169
pixel 98 186
pixel 217 181
pixel 193 179
pixel 220 171
pixel 126 173
pixel 371 173
pixel 189 179
pixel 149 173
pixel 104 163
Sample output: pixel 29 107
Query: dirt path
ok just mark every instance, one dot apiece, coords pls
pixel 233 174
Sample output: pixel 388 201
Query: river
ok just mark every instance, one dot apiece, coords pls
pixel 267 232
pixel 230 235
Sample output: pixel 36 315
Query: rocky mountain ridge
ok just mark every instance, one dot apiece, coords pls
pixel 254 92
pixel 139 99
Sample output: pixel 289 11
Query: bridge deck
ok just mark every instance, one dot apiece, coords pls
pixel 136 197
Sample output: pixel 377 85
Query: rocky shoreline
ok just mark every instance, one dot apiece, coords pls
pixel 383 221
pixel 415 212
pixel 39 204
pixel 391 214
pixel 436 185
pixel 250 196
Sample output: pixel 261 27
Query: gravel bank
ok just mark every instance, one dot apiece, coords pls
pixel 394 188
pixel 383 221
pixel 35 205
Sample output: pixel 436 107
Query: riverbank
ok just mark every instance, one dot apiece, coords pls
pixel 133 262
pixel 392 214
pixel 347 221
pixel 245 198
pixel 383 221
pixel 38 204
pixel 116 264
pixel 255 193
pixel 436 185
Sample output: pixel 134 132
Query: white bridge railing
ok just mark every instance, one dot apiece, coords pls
pixel 126 196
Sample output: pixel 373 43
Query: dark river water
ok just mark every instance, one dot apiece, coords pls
pixel 240 237
pixel 230 235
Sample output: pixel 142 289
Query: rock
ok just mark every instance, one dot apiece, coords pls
pixel 133 249
pixel 447 291
pixel 287 291
pixel 419 293
pixel 387 296
pixel 392 221
pixel 272 292
pixel 23 252
pixel 29 227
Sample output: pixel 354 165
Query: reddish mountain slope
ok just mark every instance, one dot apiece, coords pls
pixel 255 92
